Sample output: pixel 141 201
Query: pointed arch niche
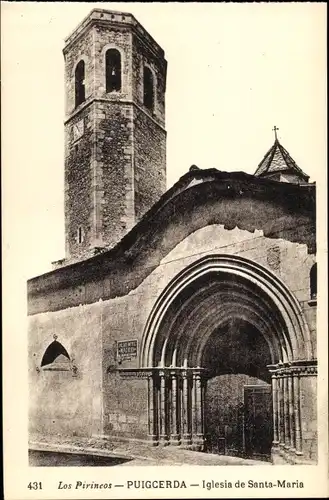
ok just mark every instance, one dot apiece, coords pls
pixel 56 357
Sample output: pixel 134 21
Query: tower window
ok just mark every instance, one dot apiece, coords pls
pixel 313 281
pixel 113 70
pixel 148 88
pixel 80 93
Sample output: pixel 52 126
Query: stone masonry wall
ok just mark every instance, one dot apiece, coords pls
pixel 78 201
pixel 125 407
pixel 149 162
pixel 114 183
pixel 60 403
pixel 78 183
pixel 149 133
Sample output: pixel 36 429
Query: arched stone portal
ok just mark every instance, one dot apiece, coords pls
pixel 224 315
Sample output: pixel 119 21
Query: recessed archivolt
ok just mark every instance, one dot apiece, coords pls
pixel 275 312
pixel 246 305
pixel 192 326
pixel 196 343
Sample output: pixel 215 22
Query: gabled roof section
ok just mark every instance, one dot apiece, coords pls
pixel 276 160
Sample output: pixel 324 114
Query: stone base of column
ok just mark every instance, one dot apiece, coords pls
pixel 164 440
pixel 186 441
pixel 153 439
pixel 174 440
pixel 275 449
pixel 198 442
pixel 281 456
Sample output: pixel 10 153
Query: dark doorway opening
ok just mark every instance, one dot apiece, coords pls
pixel 238 405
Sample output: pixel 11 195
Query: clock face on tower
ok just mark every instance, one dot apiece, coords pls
pixel 78 130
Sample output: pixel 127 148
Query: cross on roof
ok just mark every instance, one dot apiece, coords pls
pixel 275 130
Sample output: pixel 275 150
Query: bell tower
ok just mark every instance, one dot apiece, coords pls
pixel 115 138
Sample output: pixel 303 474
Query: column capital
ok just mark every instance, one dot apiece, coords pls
pixel 307 367
pixel 197 374
pixel 164 373
pixel 186 373
pixel 298 367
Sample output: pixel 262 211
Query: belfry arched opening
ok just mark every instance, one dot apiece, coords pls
pixel 222 342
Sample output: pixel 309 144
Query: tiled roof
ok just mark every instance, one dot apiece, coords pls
pixel 277 159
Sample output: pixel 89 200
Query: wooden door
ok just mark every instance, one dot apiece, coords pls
pixel 258 426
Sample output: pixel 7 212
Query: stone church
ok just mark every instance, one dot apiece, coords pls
pixel 184 317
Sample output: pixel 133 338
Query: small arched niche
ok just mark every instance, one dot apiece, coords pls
pixel 56 358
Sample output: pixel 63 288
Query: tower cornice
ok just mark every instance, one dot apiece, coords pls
pixel 87 103
pixel 90 101
pixel 113 19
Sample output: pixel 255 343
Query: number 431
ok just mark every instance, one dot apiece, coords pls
pixel 35 486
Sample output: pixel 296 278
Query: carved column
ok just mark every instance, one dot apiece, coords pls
pixel 174 431
pixel 291 412
pixel 203 407
pixel 193 423
pixel 152 410
pixel 286 411
pixel 163 409
pixel 298 434
pixel 275 409
pixel 198 417
pixel 186 429
pixel 281 410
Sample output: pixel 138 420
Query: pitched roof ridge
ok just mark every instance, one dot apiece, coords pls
pixel 274 148
pixel 286 155
pixel 267 157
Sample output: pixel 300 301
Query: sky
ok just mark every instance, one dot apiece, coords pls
pixel 234 71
